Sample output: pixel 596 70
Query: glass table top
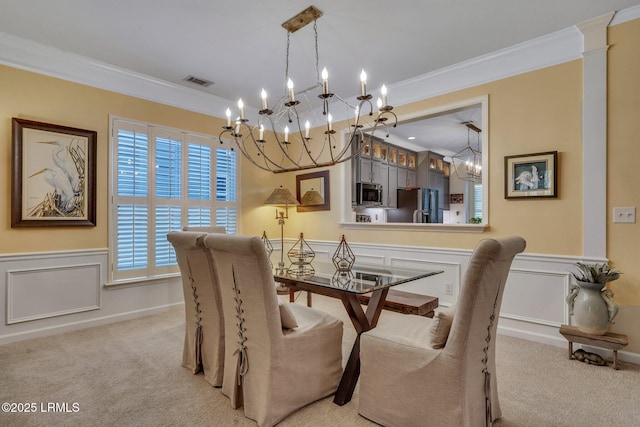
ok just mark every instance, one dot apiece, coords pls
pixel 360 279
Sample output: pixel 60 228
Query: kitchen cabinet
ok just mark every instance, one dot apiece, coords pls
pixel 384 164
pixel 364 168
pixel 393 187
pixel 438 177
pixel 411 178
pixel 393 156
pixel 379 150
pixel 402 177
pixel 380 175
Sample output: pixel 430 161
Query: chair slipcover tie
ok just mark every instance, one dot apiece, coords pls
pixel 487 374
pixel 198 331
pixel 241 351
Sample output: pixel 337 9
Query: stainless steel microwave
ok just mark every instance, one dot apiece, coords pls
pixel 368 194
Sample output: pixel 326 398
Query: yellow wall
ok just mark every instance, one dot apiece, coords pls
pixel 36 97
pixel 534 112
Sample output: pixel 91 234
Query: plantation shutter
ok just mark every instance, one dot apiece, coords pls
pixel 163 180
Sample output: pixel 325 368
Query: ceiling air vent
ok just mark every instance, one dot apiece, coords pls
pixel 198 81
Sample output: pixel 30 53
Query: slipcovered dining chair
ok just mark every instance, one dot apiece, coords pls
pixel 418 371
pixel 280 356
pixel 204 332
pixel 205 229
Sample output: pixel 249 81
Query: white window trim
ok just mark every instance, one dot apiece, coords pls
pixel 112 226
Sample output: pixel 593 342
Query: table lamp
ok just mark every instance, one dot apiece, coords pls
pixel 281 197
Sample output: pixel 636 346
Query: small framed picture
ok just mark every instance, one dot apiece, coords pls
pixel 531 175
pixel 312 191
pixel 53 175
pixel 457 198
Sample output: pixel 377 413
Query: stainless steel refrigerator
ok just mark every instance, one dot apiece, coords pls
pixel 416 205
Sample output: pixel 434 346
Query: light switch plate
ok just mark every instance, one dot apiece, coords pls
pixel 627 215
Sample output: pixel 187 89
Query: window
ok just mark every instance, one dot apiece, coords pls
pixel 475 207
pixel 164 179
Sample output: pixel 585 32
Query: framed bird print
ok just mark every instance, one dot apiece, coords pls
pixel 53 175
pixel 531 175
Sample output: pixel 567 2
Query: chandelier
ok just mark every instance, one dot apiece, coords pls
pixel 468 161
pixel 291 147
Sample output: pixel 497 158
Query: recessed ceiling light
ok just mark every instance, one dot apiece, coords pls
pixel 411 138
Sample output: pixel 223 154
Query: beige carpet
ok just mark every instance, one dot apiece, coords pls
pixel 129 374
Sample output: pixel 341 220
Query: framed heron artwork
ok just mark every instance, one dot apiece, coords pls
pixel 54 175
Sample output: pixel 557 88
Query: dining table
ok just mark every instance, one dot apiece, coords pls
pixel 347 284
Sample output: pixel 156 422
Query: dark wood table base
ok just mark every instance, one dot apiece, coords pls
pixel 407 303
pixel 362 321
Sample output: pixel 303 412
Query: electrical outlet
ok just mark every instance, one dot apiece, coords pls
pixel 627 215
pixel 448 288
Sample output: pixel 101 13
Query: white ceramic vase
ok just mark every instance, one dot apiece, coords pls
pixel 592 306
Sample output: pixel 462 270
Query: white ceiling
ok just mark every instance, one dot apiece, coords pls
pixel 240 45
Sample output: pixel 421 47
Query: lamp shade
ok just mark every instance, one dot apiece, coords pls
pixel 281 197
pixel 312 197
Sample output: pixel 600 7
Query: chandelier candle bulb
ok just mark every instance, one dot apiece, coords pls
pixel 379 103
pixel 263 95
pixel 292 97
pixel 325 81
pixel 238 126
pixel 363 83
pixel 330 120
pixel 228 114
pixel 383 92
pixel 307 126
pixel 241 108
pixel 261 138
pixel 286 134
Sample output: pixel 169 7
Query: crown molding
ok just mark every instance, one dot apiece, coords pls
pixel 626 15
pixel 38 58
pixel 552 49
pixel 542 52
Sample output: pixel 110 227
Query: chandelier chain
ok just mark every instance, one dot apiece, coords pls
pixel 286 69
pixel 315 30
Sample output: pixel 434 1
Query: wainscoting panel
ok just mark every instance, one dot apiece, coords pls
pixel 47 292
pixel 536 296
pixel 533 305
pixel 52 292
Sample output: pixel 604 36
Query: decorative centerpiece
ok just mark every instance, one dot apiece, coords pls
pixel 301 256
pixel 590 301
pixel 343 258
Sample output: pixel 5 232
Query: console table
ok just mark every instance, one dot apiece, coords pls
pixel 609 341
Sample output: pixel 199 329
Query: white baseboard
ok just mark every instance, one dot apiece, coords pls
pixel 74 326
